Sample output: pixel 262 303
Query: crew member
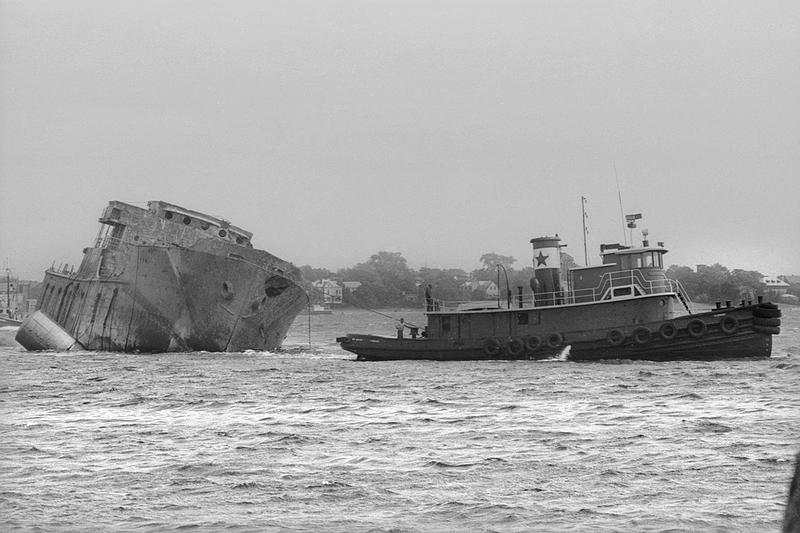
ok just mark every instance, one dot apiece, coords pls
pixel 428 298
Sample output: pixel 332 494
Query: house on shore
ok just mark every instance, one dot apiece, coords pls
pixel 334 292
pixel 330 291
pixel 774 287
pixel 489 288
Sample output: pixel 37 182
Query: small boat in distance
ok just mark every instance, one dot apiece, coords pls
pixel 8 322
pixel 164 279
pixel 10 316
pixel 320 309
pixel 625 308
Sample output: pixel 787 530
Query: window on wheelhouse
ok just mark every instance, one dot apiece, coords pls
pixel 652 260
pixel 642 260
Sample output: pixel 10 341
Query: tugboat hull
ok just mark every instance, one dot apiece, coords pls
pixel 721 334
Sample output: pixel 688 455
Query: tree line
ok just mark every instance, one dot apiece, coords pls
pixel 716 283
pixel 387 280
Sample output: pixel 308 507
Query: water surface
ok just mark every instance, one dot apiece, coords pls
pixel 309 440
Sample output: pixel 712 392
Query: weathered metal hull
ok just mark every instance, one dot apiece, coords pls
pixel 727 333
pixel 214 297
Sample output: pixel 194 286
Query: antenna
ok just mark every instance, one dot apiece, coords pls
pixel 621 211
pixel 631 220
pixel 585 231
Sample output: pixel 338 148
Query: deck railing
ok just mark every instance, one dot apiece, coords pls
pixel 620 285
pixel 107 241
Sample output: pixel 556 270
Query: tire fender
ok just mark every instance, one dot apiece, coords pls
pixel 642 335
pixel 492 346
pixel 555 340
pixel 729 325
pixel 696 328
pixel 667 331
pixel 515 346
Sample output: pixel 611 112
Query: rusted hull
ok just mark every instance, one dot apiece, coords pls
pixel 157 299
pixel 729 333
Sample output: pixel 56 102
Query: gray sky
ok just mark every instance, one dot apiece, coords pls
pixel 442 130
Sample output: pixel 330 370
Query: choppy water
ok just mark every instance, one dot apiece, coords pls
pixel 309 440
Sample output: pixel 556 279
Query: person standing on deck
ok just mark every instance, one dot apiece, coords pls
pixel 400 326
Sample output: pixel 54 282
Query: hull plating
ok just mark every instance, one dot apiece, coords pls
pixel 156 298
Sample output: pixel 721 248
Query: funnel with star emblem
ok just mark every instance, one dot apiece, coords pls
pixel 546 283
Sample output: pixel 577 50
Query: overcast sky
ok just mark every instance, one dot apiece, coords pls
pixel 442 130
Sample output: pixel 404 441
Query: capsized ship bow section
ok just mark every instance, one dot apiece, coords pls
pixel 167 278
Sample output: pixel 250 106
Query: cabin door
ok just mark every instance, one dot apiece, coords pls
pixel 463 328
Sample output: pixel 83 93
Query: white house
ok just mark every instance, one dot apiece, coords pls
pixel 774 287
pixel 488 287
pixel 331 290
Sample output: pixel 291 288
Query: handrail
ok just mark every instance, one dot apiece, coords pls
pixel 634 279
pixel 107 241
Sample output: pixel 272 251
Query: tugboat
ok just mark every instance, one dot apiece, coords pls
pixel 164 279
pixel 624 308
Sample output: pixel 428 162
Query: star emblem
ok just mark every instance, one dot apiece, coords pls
pixel 541 259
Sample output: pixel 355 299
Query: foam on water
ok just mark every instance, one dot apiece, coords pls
pixel 308 439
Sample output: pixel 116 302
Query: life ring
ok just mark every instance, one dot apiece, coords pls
pixel 615 337
pixel 667 331
pixel 642 335
pixel 555 340
pixel 492 346
pixel 729 324
pixel 515 346
pixel 770 322
pixel 696 328
pixel 533 343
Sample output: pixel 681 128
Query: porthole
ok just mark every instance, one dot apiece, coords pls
pixel 222 233
pixel 168 215
pixel 239 240
pixel 187 220
pixel 204 225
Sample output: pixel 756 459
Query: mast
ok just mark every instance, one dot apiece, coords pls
pixel 8 290
pixel 585 231
pixel 621 211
